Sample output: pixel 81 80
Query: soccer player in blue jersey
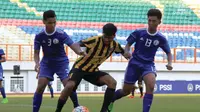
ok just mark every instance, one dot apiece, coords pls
pixel 49 86
pixel 147 41
pixel 52 41
pixel 2 59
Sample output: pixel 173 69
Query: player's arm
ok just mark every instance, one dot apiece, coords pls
pixel 119 49
pixel 74 46
pixel 37 53
pixel 130 40
pixel 167 50
pixel 88 43
pixel 3 57
pixel 77 49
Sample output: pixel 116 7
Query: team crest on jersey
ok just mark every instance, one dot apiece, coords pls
pixel 155 42
pixel 55 41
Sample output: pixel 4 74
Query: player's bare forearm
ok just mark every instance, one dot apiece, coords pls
pixel 3 59
pixel 36 57
pixel 127 54
pixel 127 48
pixel 76 48
pixel 169 58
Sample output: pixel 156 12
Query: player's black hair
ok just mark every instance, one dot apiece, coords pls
pixel 155 12
pixel 49 14
pixel 109 29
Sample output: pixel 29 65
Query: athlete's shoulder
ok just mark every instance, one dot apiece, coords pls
pixel 161 35
pixel 41 32
pixel 60 31
pixel 141 30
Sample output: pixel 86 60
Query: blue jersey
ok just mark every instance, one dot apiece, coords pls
pixel 53 45
pixel 1 54
pixel 146 44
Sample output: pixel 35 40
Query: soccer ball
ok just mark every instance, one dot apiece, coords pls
pixel 81 109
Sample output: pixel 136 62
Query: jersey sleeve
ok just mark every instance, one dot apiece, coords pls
pixel 165 46
pixel 2 52
pixel 89 43
pixel 37 43
pixel 119 49
pixel 132 37
pixel 67 40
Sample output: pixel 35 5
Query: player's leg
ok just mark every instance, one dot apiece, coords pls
pixel 131 76
pixel 70 86
pixel 45 75
pixel 133 92
pixel 63 73
pixel 141 91
pixel 37 99
pixel 50 88
pixel 149 77
pixel 140 87
pixel 73 96
pixel 2 90
pixel 104 78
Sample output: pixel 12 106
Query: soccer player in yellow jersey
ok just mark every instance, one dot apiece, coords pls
pixel 98 49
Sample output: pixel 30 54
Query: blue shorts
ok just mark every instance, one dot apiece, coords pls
pixel 1 75
pixel 48 70
pixel 135 69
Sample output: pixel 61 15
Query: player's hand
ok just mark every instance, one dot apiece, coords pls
pixel 37 67
pixel 169 67
pixel 127 55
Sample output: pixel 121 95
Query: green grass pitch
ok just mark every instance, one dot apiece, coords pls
pixel 161 103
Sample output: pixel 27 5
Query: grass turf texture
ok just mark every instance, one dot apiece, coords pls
pixel 161 103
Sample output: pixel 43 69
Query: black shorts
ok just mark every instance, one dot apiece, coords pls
pixel 93 77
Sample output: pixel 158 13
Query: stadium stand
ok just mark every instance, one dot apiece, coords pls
pixel 21 20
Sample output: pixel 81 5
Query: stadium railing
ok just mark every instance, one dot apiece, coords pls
pixel 16 52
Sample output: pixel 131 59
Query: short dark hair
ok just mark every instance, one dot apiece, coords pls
pixel 155 12
pixel 109 29
pixel 49 14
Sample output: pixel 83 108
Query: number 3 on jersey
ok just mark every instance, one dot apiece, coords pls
pixel 49 42
pixel 148 42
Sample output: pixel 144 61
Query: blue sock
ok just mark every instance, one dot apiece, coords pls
pixel 147 101
pixel 51 91
pixel 37 100
pixel 118 95
pixel 3 92
pixel 74 99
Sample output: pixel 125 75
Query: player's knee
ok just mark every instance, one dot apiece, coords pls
pixel 126 92
pixel 112 83
pixel 40 89
pixel 70 85
pixel 150 88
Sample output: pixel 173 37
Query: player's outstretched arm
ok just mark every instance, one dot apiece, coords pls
pixel 77 49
